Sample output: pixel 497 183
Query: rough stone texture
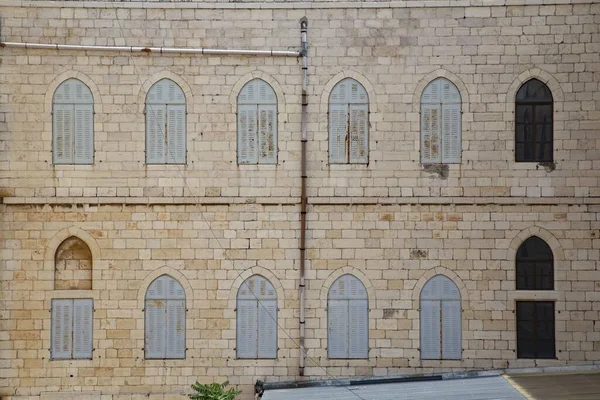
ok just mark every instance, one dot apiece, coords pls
pixel 73 265
pixel 392 223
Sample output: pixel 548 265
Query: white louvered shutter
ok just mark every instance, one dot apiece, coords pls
pixel 174 290
pixel 338 133
pixel 155 133
pixel 451 133
pixel 358 325
pixel 430 133
pixel 175 346
pixel 451 330
pixel 430 329
pixel 156 323
pixel 337 338
pixel 247 329
pixel 247 136
pixel 83 327
pixel 449 92
pixel 265 92
pixel 359 133
pixel 63 121
pixel 267 133
pixel 62 329
pixel 267 329
pixel 84 134
pixel 176 137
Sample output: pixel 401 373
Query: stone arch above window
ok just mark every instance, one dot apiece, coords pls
pixel 73 265
pixel 348 123
pixel 441 123
pixel 257 123
pixel 166 123
pixel 73 123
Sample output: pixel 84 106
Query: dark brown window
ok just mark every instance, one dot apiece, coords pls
pixel 533 121
pixel 535 329
pixel 535 265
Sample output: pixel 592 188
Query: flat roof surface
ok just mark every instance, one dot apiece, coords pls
pixel 578 386
pixel 495 387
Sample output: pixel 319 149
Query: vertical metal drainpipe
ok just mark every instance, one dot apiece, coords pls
pixel 303 30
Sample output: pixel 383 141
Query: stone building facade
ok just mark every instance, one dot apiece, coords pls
pixel 106 230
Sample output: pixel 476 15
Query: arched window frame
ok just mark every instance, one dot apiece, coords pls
pixel 348 123
pixel 535 272
pixel 257 123
pixel 536 97
pixel 165 319
pixel 441 123
pixel 440 320
pixel 347 319
pixel 73 123
pixel 256 319
pixel 166 119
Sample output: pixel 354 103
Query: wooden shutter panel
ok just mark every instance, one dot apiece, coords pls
pixel 175 329
pixel 432 93
pixel 63 121
pixel 83 327
pixel 265 92
pixel 430 133
pixel 451 133
pixel 247 146
pixel 430 330
pixel 338 133
pixel 84 134
pixel 155 345
pixel 337 332
pixel 176 135
pixel 359 133
pixel 267 133
pixel 267 329
pixel 451 330
pixel 247 321
pixel 358 326
pixel 62 329
pixel 155 133
pixel 449 92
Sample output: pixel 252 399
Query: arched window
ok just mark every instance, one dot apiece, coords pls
pixel 256 319
pixel 165 319
pixel 348 123
pixel 348 319
pixel 73 123
pixel 535 265
pixel 73 265
pixel 534 123
pixel 441 320
pixel 257 123
pixel 165 124
pixel 441 123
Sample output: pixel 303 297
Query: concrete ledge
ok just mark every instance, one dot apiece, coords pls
pixel 315 201
pixel 173 4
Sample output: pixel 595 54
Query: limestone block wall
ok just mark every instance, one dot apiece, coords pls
pixel 212 223
pixel 393 49
pixel 131 245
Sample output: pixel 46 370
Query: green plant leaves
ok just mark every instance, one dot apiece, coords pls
pixel 213 391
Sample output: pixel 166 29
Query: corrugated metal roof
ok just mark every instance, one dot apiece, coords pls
pixel 455 389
